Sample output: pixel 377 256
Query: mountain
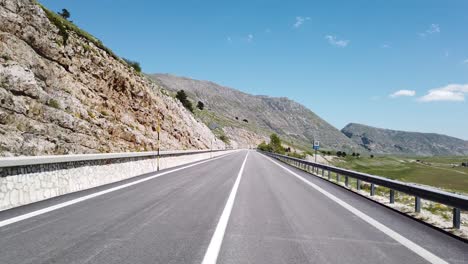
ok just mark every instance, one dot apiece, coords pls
pixel 62 91
pixel 249 119
pixel 386 141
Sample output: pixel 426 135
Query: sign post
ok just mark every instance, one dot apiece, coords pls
pixel 159 141
pixel 316 147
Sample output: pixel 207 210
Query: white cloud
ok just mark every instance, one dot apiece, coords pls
pixel 250 38
pixel 433 29
pixel 465 61
pixel 386 46
pixel 451 92
pixel 403 93
pixel 336 42
pixel 300 21
pixel 229 39
pixel 268 30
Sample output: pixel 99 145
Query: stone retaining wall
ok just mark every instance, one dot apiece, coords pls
pixel 32 183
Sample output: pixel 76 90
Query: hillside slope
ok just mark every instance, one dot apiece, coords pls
pixel 386 141
pixel 229 107
pixel 62 92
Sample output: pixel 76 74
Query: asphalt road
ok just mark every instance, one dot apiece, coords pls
pixel 275 218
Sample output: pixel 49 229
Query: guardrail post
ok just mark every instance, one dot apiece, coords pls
pixel 337 178
pixel 417 204
pixel 323 173
pixel 372 189
pixel 456 218
pixel 346 181
pixel 328 173
pixel 358 184
pixel 392 196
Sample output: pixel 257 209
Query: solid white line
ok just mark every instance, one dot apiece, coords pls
pixel 90 196
pixel 212 252
pixel 389 232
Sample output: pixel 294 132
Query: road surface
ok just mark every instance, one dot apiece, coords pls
pixel 238 208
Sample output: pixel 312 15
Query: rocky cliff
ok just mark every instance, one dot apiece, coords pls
pixel 239 113
pixel 62 91
pixel 386 141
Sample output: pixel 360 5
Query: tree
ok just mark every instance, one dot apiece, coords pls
pixel 354 154
pixel 182 97
pixel 338 153
pixel 275 143
pixel 200 105
pixel 245 120
pixel 65 14
pixel 343 154
pixel 358 155
pixel 371 156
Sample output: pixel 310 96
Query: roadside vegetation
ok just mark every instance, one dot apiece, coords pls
pixel 441 172
pixel 276 146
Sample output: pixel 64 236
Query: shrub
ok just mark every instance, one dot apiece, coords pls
pixel 224 138
pixel 200 105
pixel 53 103
pixel 182 97
pixel 371 156
pixel 134 64
pixel 297 155
pixel 245 120
pixel 91 114
pixel 264 147
pixel 5 57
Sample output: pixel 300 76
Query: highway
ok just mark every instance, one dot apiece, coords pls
pixel 238 208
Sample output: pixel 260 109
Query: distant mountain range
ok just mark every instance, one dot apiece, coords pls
pixel 249 119
pixel 386 141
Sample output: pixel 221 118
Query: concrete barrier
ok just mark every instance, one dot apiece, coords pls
pixel 25 180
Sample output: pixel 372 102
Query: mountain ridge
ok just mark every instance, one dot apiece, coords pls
pixel 389 141
pixel 265 114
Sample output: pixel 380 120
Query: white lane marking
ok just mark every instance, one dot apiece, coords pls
pixel 90 196
pixel 212 252
pixel 389 232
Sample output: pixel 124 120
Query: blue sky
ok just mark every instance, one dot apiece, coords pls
pixel 395 64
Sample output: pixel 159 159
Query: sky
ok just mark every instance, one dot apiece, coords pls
pixel 392 64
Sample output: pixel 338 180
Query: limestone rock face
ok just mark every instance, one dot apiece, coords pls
pixel 69 96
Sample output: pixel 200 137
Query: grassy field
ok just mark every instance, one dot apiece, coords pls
pixel 433 171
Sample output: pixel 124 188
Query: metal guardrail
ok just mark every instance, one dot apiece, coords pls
pixel 457 201
pixel 38 160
